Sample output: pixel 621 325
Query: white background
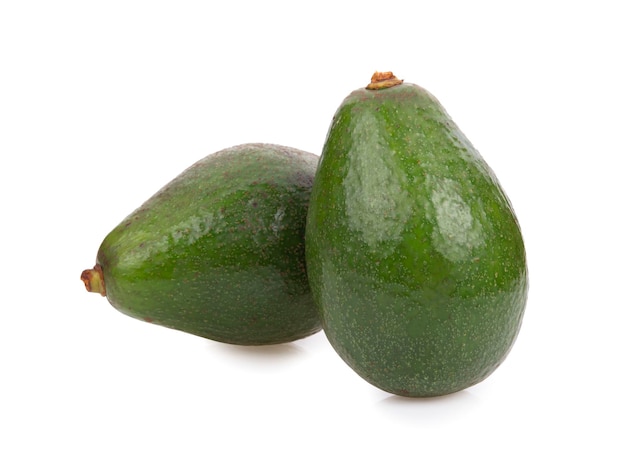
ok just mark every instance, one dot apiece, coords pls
pixel 101 103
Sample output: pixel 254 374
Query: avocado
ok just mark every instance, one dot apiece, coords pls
pixel 415 256
pixel 219 251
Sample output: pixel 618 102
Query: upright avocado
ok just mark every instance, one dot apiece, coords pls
pixel 219 251
pixel 414 254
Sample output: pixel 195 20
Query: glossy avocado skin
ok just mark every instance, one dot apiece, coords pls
pixel 219 251
pixel 415 257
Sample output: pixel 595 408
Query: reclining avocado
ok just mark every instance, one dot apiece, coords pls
pixel 219 251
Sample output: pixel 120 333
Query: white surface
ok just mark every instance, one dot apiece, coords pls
pixel 103 103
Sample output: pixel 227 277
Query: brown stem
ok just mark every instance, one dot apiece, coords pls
pixel 94 280
pixel 383 80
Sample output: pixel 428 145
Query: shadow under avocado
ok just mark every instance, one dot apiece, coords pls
pixel 435 408
pixel 263 354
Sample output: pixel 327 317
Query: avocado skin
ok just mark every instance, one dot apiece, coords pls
pixel 415 257
pixel 219 251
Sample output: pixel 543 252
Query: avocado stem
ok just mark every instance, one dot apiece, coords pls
pixel 94 280
pixel 383 80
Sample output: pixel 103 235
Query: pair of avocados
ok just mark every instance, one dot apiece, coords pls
pixel 398 241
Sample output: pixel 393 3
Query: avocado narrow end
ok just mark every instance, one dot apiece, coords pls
pixel 94 280
pixel 383 80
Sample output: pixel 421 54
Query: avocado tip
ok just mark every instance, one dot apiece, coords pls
pixel 94 280
pixel 383 80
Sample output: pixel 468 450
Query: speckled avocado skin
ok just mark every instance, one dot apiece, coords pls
pixel 219 251
pixel 415 256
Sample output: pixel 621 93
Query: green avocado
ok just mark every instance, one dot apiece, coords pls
pixel 219 251
pixel 414 254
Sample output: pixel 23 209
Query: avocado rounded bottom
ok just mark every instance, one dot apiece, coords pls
pixel 400 345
